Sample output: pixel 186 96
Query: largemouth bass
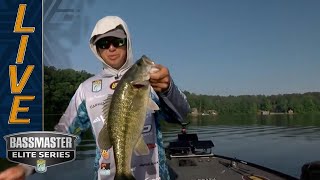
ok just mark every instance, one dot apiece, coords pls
pixel 125 113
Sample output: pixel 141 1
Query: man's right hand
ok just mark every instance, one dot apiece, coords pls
pixel 13 173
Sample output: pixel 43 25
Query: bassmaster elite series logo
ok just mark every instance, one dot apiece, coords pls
pixel 40 149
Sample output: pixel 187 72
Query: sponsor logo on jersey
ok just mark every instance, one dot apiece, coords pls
pixel 105 154
pixel 151 146
pixel 97 104
pixel 96 85
pixel 114 84
pixel 105 169
pixel 98 119
pixel 147 128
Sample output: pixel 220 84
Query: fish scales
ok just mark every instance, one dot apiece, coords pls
pixel 125 116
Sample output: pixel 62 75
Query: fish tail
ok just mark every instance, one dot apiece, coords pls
pixel 124 177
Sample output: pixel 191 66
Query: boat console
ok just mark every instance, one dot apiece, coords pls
pixel 188 145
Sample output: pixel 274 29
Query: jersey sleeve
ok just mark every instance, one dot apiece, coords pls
pixel 75 119
pixel 174 104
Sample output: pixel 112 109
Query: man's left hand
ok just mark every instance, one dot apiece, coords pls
pixel 160 80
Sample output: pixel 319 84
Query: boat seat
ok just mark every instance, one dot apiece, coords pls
pixel 187 137
pixel 179 145
pixel 202 144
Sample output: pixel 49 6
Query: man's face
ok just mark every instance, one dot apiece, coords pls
pixel 113 51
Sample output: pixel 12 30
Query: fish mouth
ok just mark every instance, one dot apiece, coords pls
pixel 147 60
pixel 140 84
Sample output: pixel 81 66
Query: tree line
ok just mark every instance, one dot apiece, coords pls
pixel 59 87
pixel 251 104
pixel 61 84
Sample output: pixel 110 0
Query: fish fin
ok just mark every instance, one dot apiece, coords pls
pixel 106 106
pixel 103 139
pixel 153 105
pixel 141 148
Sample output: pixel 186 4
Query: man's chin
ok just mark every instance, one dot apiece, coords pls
pixel 115 65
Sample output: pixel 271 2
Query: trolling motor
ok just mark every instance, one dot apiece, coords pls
pixel 184 127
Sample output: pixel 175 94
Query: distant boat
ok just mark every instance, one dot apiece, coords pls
pixel 204 114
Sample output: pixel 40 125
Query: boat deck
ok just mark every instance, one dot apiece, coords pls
pixel 189 158
pixel 213 167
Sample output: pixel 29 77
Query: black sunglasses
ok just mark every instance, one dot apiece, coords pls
pixel 105 43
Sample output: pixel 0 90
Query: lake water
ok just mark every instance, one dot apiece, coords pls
pixel 280 142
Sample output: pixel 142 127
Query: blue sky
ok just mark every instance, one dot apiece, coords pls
pixel 226 47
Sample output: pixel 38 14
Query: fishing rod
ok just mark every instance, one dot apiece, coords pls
pixel 233 165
